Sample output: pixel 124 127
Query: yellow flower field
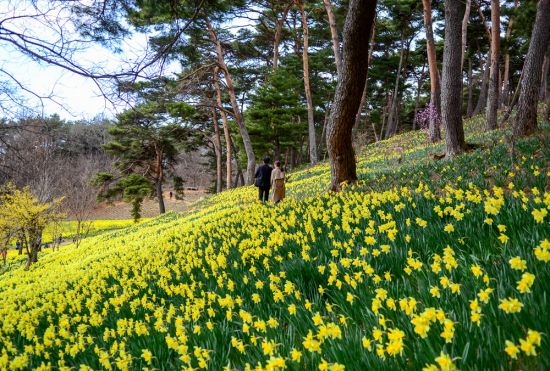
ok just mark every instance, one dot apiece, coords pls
pixel 422 265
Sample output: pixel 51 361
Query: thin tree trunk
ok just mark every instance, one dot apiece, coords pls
pixel 391 128
pixel 309 100
pixel 451 86
pixel 465 31
pixel 364 96
pixel 251 159
pixel 217 151
pixel 334 35
pixel 526 117
pixel 470 106
pixel 544 78
pixel 434 131
pixel 483 90
pixel 227 135
pixel 278 35
pixel 506 79
pixel 492 105
pixel 351 83
pixel 158 189
pixel 513 102
pixel 385 114
pixel 417 98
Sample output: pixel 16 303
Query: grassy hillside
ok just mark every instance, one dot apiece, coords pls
pixel 423 263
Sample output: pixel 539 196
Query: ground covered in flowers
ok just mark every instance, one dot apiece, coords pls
pixel 423 264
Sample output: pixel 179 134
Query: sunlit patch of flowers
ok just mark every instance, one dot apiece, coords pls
pixel 410 276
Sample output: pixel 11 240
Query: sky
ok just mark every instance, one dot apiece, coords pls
pixel 74 97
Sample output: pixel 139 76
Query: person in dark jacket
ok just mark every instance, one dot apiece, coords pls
pixel 263 180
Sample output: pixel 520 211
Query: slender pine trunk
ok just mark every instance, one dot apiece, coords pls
pixel 309 100
pixel 493 89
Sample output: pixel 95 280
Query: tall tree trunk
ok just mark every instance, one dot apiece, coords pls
pixel 334 35
pixel 393 118
pixel 465 20
pixel 251 159
pixel 278 35
pixel 309 100
pixel 217 151
pixel 385 113
pixel 544 78
pixel 506 79
pixel 417 98
pixel 227 135
pixel 351 83
pixel 159 178
pixel 364 96
pixel 434 131
pixel 451 84
pixel 158 189
pixel 526 117
pixel 492 105
pixel 470 106
pixel 483 90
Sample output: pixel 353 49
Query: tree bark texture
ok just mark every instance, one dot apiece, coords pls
pixel 526 118
pixel 351 83
pixel 309 100
pixel 251 159
pixel 227 135
pixel 451 84
pixel 493 88
pixel 334 35
pixel 434 132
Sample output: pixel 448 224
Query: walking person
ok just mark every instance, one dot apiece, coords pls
pixel 263 180
pixel 278 182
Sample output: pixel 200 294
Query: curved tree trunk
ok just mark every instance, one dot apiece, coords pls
pixel 251 159
pixel 227 135
pixel 526 117
pixel 309 100
pixel 451 79
pixel 434 131
pixel 334 35
pixel 351 83
pixel 492 104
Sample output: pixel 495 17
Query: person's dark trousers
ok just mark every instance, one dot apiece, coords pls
pixel 263 193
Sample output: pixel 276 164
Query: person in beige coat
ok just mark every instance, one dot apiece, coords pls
pixel 278 182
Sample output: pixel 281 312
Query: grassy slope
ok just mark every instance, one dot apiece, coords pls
pixel 161 285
